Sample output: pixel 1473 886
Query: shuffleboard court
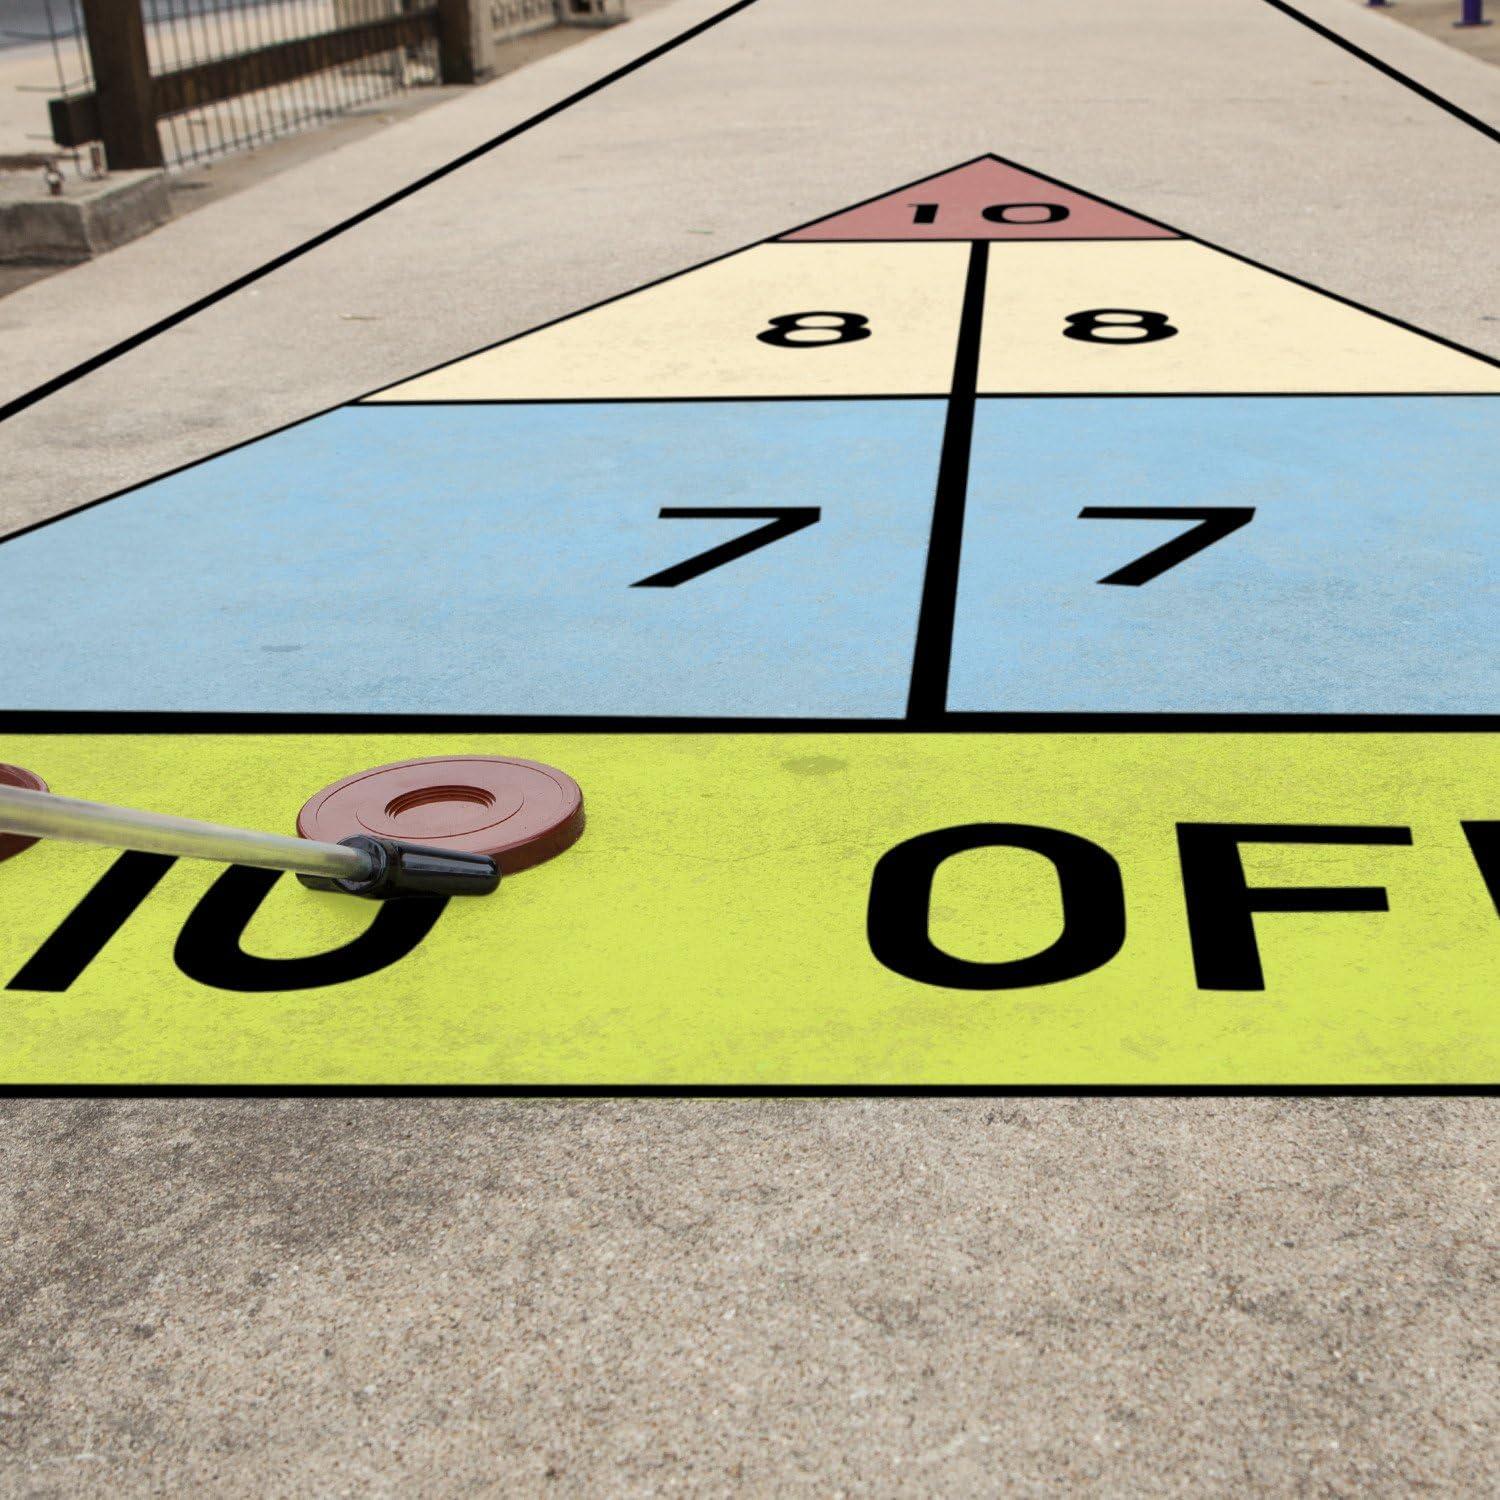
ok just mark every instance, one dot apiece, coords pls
pixel 1002 640
pixel 1015 993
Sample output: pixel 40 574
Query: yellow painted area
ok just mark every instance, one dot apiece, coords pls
pixel 1239 328
pixel 696 334
pixel 710 925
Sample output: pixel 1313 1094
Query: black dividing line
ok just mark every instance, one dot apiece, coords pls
pixel 1476 1090
pixel 964 239
pixel 94 362
pixel 129 722
pixel 1308 395
pixel 379 403
pixel 934 648
pixel 1420 89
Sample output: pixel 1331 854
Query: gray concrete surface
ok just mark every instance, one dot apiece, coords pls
pixel 1028 1297
pixel 1153 1297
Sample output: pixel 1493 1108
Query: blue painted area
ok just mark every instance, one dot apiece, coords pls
pixel 457 559
pixel 1366 582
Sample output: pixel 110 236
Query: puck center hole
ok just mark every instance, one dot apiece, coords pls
pixel 426 796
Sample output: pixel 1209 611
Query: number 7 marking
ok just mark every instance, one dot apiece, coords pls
pixel 781 520
pixel 1215 522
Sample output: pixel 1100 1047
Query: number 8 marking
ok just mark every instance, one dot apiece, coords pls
pixel 1117 325
pixel 848 328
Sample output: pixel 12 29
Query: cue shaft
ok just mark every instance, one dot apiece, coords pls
pixel 48 816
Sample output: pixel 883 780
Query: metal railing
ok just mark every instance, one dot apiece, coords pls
pixel 1471 12
pixel 175 82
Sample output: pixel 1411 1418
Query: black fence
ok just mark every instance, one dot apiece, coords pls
pixel 172 82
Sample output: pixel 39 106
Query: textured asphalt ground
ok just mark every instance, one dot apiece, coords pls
pixel 1170 1296
pixel 1177 1297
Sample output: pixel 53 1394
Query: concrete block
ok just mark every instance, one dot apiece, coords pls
pixel 591 12
pixel 87 218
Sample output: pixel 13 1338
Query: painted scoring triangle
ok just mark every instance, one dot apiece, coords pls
pixel 987 199
pixel 893 272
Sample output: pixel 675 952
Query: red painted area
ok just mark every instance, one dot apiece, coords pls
pixel 984 200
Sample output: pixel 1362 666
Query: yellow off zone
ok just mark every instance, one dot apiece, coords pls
pixel 1238 328
pixel 710 927
pixel 697 334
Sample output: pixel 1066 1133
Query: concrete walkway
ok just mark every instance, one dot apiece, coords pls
pixel 860 1297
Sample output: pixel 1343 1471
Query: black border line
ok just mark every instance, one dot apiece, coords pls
pixel 652 400
pixel 117 721
pixel 1142 394
pixel 968 239
pixel 686 1091
pixel 104 357
pixel 1237 395
pixel 927 696
pixel 1391 72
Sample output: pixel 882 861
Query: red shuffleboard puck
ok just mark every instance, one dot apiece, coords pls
pixel 519 812
pixel 14 843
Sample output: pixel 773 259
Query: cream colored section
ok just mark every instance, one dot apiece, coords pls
pixel 1239 328
pixel 695 335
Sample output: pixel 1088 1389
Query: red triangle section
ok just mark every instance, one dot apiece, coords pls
pixel 986 199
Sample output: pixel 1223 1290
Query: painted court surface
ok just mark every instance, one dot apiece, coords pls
pixel 1002 640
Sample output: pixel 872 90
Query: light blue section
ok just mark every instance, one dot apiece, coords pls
pixel 478 559
pixel 1368 582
